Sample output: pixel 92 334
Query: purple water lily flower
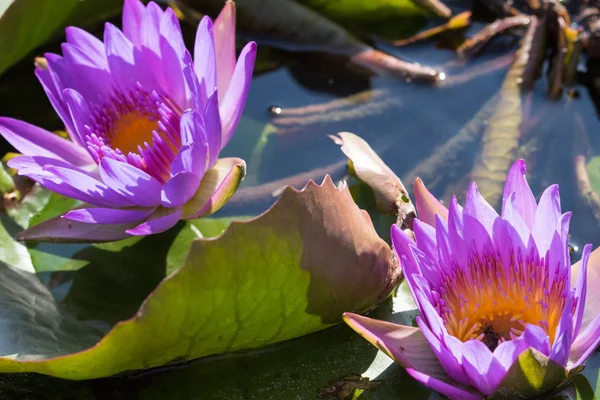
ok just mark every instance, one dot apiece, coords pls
pixel 502 312
pixel 146 122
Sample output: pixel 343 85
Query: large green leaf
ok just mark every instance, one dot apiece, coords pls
pixel 26 24
pixel 289 272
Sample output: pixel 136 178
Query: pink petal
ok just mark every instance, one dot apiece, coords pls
pixel 224 32
pixel 233 104
pixel 404 344
pixel 427 204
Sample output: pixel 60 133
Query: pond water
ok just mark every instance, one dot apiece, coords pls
pixel 406 123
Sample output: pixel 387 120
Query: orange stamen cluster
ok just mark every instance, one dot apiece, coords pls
pixel 493 302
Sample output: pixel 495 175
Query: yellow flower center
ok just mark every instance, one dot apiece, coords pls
pixel 132 130
pixel 491 302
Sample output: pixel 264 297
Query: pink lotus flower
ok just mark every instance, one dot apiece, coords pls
pixel 146 124
pixel 497 296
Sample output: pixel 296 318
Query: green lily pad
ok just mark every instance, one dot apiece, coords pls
pixel 287 273
pixel 26 24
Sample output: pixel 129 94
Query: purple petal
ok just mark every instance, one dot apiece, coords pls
pixel 35 165
pixel 452 391
pixel 107 215
pixel 476 236
pixel 425 237
pixel 205 63
pixel 511 214
pixel 79 111
pixel 179 189
pixel 585 343
pixel 484 371
pixel 422 294
pixel 557 268
pixel 197 91
pixel 430 270
pixel 171 31
pixel 524 202
pixel 121 61
pixel 564 335
pixel 149 33
pixel 233 103
pixel 443 241
pixel 91 49
pixel 456 233
pixel 192 128
pixel 130 182
pixel 547 216
pixel 563 230
pixel 80 186
pixel 580 291
pixel 62 230
pixel 478 208
pixel 428 206
pixel 507 241
pixel 92 80
pixel 450 363
pixel 218 185
pixel 212 122
pixel 46 79
pixel 157 223
pixel 401 242
pixel 592 298
pixel 191 159
pixel 33 141
pixel 224 32
pixel 508 351
pixel 133 11
pixel 172 50
pixel 404 344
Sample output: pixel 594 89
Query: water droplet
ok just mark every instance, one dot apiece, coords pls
pixel 275 110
